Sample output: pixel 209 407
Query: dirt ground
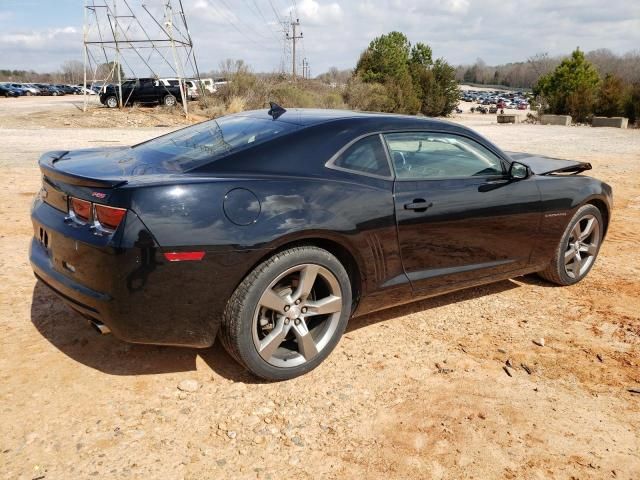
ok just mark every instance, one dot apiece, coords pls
pixel 413 392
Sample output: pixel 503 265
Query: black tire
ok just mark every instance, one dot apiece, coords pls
pixel 169 100
pixel 240 325
pixel 556 272
pixel 111 101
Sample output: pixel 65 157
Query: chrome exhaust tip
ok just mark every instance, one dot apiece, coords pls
pixel 100 327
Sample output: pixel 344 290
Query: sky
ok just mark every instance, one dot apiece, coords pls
pixel 42 34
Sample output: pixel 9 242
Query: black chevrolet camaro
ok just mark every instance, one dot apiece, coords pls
pixel 270 229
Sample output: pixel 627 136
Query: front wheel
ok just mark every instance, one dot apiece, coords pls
pixel 111 101
pixel 578 248
pixel 288 314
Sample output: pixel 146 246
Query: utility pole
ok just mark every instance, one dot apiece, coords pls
pixel 293 38
pixel 85 55
pixel 117 63
pixel 306 69
pixel 181 83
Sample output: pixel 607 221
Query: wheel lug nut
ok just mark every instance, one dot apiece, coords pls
pixel 286 321
pixel 304 309
pixel 286 308
pixel 298 302
pixel 297 321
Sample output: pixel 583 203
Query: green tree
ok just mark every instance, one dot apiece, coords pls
pixel 439 92
pixel 421 55
pixel 407 76
pixel 386 61
pixel 386 57
pixel 570 89
pixel 611 96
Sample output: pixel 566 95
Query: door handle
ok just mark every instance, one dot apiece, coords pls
pixel 418 205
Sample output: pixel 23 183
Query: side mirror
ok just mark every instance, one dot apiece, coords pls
pixel 519 171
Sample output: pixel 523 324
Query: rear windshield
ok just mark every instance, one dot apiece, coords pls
pixel 199 144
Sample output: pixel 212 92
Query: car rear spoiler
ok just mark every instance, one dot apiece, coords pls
pixel 48 169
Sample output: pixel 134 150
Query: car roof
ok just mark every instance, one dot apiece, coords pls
pixel 307 117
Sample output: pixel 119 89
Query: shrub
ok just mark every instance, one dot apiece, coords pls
pixel 372 97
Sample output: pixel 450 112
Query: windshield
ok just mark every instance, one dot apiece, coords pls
pixel 199 144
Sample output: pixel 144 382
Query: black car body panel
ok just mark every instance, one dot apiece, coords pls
pixel 248 202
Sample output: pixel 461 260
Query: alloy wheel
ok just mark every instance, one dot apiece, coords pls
pixel 297 315
pixel 582 246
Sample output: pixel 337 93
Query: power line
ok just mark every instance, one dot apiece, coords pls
pixel 224 11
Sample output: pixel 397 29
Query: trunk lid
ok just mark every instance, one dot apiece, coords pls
pixel 541 165
pixel 94 167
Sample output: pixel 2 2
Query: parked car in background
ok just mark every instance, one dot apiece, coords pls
pixel 270 229
pixel 55 91
pixel 212 84
pixel 66 89
pixel 192 91
pixel 34 87
pixel 6 91
pixel 28 88
pixel 82 90
pixel 45 90
pixel 141 90
pixel 99 87
pixel 16 88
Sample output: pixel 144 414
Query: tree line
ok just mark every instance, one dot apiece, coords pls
pixel 525 74
pixel 576 87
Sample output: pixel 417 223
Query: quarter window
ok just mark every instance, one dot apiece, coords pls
pixel 422 155
pixel 366 156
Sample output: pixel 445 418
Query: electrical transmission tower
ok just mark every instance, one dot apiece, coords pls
pixel 293 38
pixel 124 38
pixel 306 69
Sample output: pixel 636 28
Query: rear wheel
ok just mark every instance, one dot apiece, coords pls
pixel 288 314
pixel 578 248
pixel 169 100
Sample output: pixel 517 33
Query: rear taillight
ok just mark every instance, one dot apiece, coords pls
pixel 109 217
pixel 80 208
pixel 101 216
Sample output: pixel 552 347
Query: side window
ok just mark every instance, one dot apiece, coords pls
pixel 422 155
pixel 366 156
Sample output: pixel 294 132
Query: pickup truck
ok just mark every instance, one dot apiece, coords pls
pixel 141 90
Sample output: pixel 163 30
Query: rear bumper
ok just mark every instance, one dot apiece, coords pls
pixel 83 299
pixel 126 283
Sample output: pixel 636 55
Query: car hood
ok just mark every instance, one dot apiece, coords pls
pixel 541 165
